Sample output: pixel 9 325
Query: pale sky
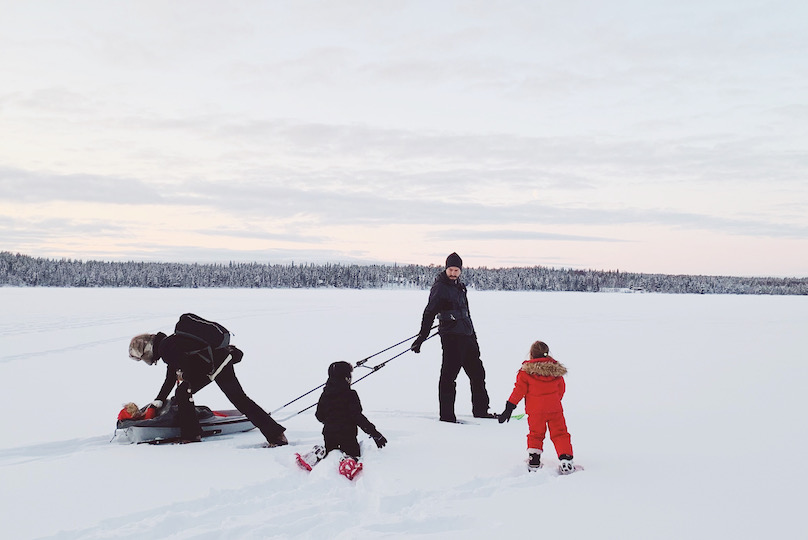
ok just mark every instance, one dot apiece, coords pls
pixel 639 135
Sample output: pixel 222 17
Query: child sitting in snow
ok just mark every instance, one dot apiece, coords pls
pixel 340 411
pixel 541 382
pixel 131 411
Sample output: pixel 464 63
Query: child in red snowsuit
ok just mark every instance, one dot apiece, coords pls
pixel 131 411
pixel 541 382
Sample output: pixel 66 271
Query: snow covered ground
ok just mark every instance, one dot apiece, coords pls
pixel 687 412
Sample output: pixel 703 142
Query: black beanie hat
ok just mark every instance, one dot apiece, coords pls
pixel 454 260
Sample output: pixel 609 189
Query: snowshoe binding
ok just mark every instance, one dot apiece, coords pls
pixel 534 461
pixel 310 458
pixel 349 467
pixel 565 465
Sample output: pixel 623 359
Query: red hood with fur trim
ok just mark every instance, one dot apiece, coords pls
pixel 544 367
pixel 541 382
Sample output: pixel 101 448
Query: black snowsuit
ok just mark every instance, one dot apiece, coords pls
pixel 448 301
pixel 173 350
pixel 340 411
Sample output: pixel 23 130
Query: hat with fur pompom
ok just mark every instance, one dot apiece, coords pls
pixel 142 348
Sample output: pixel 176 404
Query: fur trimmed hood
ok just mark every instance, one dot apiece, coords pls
pixel 544 367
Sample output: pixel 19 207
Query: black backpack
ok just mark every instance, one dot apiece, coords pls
pixel 210 336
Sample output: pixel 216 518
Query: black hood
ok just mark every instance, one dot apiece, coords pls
pixel 338 375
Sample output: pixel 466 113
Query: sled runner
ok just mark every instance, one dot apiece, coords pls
pixel 164 427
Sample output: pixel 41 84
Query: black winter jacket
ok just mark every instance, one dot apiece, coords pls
pixel 340 410
pixel 174 351
pixel 447 301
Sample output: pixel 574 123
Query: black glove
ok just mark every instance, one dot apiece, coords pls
pixel 416 345
pixel 236 353
pixel 379 440
pixel 506 414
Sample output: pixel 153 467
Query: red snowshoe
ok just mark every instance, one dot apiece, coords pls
pixel 349 467
pixel 310 458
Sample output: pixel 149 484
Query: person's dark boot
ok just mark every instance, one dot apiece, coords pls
pixel 534 460
pixel 279 440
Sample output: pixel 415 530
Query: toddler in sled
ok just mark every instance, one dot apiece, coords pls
pixel 540 382
pixel 131 411
pixel 340 411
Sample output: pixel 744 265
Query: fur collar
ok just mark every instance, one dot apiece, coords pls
pixel 544 367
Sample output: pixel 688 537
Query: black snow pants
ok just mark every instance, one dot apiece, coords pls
pixel 461 352
pixel 343 439
pixel 230 386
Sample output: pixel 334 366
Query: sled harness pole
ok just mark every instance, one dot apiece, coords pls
pixel 298 397
pixel 373 369
pixel 358 364
pixel 364 360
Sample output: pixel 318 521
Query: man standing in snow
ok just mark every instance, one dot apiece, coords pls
pixel 448 301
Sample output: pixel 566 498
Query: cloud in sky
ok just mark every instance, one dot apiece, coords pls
pixel 648 136
pixel 327 206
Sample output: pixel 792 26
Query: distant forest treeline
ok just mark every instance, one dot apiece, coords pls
pixel 25 271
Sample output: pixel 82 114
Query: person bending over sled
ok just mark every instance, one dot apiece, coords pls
pixel 541 382
pixel 340 412
pixel 192 365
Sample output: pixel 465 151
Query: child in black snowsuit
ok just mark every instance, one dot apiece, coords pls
pixel 340 412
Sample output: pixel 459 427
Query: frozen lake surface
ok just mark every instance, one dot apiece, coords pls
pixel 687 412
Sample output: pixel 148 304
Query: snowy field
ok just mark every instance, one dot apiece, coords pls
pixel 688 413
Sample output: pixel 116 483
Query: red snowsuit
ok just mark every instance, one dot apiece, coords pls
pixel 541 382
pixel 148 414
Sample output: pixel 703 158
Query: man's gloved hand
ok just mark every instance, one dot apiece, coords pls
pixel 379 439
pixel 416 345
pixel 506 414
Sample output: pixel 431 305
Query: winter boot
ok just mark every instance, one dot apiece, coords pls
pixel 565 465
pixel 279 440
pixel 349 467
pixel 310 458
pixel 534 459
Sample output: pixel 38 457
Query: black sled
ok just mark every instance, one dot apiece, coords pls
pixel 165 428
